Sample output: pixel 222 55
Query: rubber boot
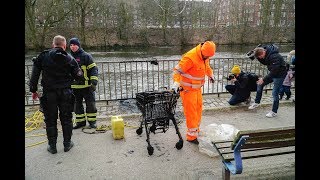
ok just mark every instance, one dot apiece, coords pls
pixel 68 146
pixel 67 133
pixel 93 124
pixel 79 125
pixel 52 134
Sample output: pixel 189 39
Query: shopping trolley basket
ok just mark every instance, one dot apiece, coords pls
pixel 157 108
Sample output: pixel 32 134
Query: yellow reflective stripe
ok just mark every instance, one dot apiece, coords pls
pixel 92 119
pixel 195 86
pixel 91 114
pixel 77 86
pixel 79 120
pixel 91 65
pixel 80 115
pixel 94 77
pixel 85 73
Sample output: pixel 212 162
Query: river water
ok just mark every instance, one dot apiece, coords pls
pixel 163 53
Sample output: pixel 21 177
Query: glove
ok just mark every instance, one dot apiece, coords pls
pixel 211 79
pixel 35 96
pixel 176 87
pixel 93 87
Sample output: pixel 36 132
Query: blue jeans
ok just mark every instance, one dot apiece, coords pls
pixel 277 83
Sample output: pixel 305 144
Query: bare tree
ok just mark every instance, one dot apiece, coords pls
pixel 41 15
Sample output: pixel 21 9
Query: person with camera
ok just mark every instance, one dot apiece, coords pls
pixel 84 88
pixel 58 70
pixel 269 55
pixel 240 88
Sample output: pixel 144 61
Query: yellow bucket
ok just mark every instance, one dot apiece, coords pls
pixel 117 126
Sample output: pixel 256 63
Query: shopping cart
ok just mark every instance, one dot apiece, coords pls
pixel 157 108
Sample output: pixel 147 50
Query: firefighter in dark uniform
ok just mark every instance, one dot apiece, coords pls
pixel 84 88
pixel 59 70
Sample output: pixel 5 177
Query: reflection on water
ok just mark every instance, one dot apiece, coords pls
pixel 165 53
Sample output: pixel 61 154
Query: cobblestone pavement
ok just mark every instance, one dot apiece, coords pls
pixel 128 108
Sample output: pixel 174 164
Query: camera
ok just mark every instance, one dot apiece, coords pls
pixel 231 76
pixel 250 54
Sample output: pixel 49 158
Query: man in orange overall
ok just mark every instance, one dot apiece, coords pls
pixel 189 77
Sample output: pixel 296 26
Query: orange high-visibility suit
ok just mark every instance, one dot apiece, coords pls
pixel 189 74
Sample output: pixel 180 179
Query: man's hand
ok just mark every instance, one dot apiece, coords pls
pixel 211 79
pixel 260 81
pixel 35 96
pixel 176 87
pixel 233 79
pixel 93 87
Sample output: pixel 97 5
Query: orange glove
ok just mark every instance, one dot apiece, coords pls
pixel 35 96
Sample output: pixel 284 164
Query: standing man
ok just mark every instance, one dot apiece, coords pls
pixel 189 77
pixel 84 88
pixel 269 55
pixel 59 69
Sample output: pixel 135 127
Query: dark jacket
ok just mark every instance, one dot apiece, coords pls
pixel 275 63
pixel 242 89
pixel 89 68
pixel 59 69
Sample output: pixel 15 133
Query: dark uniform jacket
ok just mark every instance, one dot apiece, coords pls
pixel 89 68
pixel 275 63
pixel 59 69
pixel 242 86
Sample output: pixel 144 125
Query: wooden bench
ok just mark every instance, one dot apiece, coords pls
pixel 250 144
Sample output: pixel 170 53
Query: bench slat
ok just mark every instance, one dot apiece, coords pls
pixel 255 153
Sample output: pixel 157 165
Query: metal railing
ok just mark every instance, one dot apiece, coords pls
pixel 122 80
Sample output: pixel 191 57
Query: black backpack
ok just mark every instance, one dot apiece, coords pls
pixel 252 83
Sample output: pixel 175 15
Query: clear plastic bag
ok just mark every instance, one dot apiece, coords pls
pixel 215 132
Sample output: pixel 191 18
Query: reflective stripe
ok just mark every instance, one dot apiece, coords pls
pixel 93 77
pixel 92 119
pixel 85 73
pixel 80 115
pixel 179 71
pixel 76 86
pixel 192 78
pixel 177 68
pixel 79 120
pixel 195 86
pixel 91 65
pixel 192 132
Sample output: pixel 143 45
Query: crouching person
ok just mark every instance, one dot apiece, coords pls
pixel 239 88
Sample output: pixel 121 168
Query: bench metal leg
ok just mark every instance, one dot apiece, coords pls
pixel 225 174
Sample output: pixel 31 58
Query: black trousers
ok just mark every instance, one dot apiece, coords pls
pixel 90 112
pixel 58 102
pixel 236 97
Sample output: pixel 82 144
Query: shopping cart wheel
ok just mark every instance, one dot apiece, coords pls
pixel 150 150
pixel 139 131
pixel 179 144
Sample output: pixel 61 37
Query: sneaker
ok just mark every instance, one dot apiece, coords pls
pixel 254 105
pixel 271 114
pixel 195 141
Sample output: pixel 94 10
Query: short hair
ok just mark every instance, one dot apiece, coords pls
pixel 59 41
pixel 258 51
